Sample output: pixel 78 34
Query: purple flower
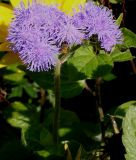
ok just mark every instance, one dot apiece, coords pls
pixel 37 32
pixel 98 20
pixel 69 33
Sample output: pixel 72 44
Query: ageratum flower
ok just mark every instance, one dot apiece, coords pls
pixel 37 32
pixel 7 13
pixel 98 20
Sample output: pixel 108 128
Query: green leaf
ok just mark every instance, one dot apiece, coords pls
pixel 44 79
pixel 17 115
pixel 120 112
pixel 31 136
pixel 30 89
pixel 118 56
pixel 119 20
pixel 129 132
pixel 104 67
pixel 69 88
pixel 64 131
pixel 84 61
pixel 122 109
pixel 129 38
pixel 46 138
pixel 16 77
pixel 44 153
pixel 67 118
pixel 16 92
pixel 53 152
pixel 13 149
pixel 109 77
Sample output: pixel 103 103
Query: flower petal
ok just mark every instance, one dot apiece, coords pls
pixel 67 6
pixel 15 3
pixel 6 14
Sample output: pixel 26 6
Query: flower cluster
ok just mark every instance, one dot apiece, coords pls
pixel 98 20
pixel 38 32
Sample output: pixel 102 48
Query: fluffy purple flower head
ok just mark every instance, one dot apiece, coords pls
pixel 69 33
pixel 98 20
pixel 37 32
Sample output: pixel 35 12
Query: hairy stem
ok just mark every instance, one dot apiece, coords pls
pixel 57 101
pixel 99 105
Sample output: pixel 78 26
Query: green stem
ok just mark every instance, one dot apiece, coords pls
pixel 99 105
pixel 57 101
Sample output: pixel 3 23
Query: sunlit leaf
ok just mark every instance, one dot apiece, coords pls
pixel 118 56
pixel 17 115
pixel 16 92
pixel 119 20
pixel 129 38
pixel 84 61
pixel 15 77
pixel 129 132
pixel 122 109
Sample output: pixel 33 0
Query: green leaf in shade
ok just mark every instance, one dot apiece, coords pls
pixel 67 118
pixel 31 89
pixel 129 38
pixel 30 136
pixel 129 132
pixel 16 92
pixel 13 73
pixel 17 115
pixel 84 61
pixel 119 20
pixel 118 56
pixel 104 67
pixel 14 150
pixel 109 77
pixel 53 152
pixel 122 109
pixel 46 138
pixel 16 77
pixel 37 138
pixel 44 79
pixel 69 88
